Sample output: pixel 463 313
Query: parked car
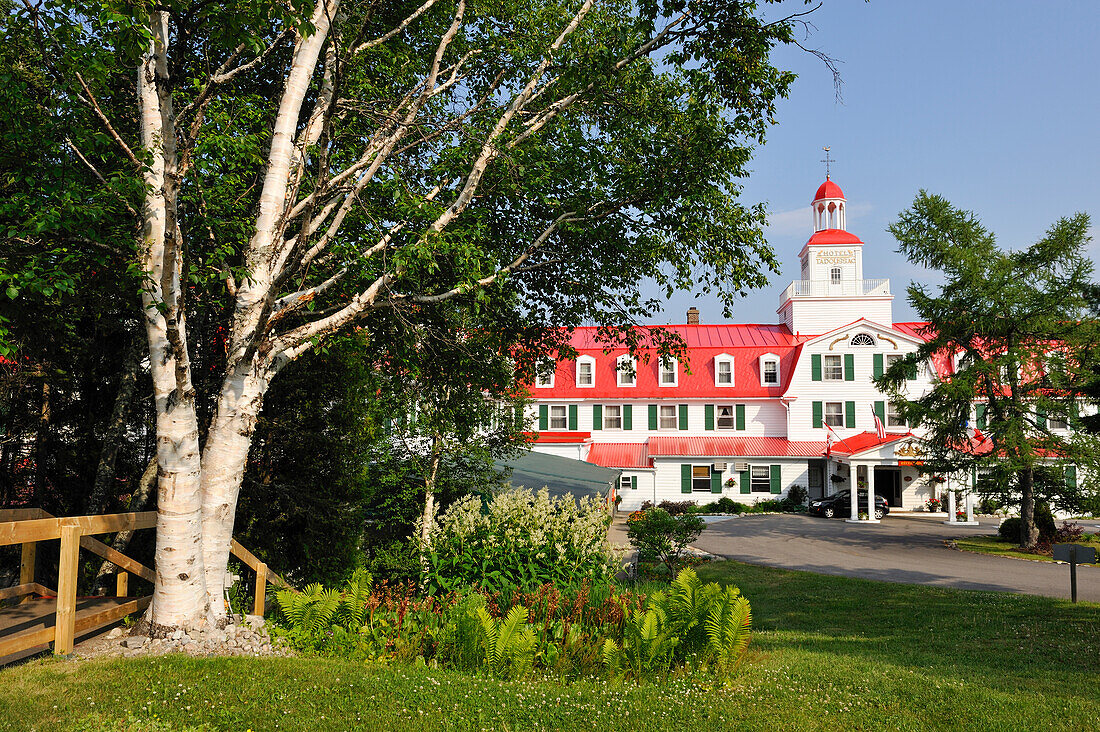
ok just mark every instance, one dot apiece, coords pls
pixel 840 504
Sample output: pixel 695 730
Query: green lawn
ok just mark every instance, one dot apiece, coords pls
pixel 827 653
pixel 1000 547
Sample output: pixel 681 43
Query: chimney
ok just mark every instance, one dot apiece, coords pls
pixel 693 315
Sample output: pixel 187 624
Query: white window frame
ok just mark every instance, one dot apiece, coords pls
pixel 626 367
pixel 825 414
pixel 675 416
pixel 697 478
pixel 564 417
pixel 1061 419
pixel 545 369
pixel 836 276
pixel 732 417
pixel 872 344
pixel 755 479
pixel 825 368
pixel 625 483
pixel 719 361
pixel 893 419
pixel 591 362
pixel 662 370
pixel 892 358
pixel 766 359
pixel 610 418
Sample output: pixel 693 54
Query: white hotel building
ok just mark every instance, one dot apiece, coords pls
pixel 744 415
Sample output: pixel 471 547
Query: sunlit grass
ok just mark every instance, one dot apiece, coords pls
pixel 1000 547
pixel 827 653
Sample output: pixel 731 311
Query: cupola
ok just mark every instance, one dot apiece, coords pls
pixel 828 207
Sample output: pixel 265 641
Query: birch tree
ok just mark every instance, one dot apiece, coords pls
pixel 321 161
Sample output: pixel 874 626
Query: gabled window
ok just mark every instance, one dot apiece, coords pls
pixel 626 370
pixel 862 339
pixel 586 372
pixel 544 374
pixel 668 372
pixel 769 370
pixel 723 370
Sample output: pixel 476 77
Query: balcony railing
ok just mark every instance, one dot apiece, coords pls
pixel 825 288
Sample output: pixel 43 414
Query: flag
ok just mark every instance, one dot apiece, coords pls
pixel 975 434
pixel 880 428
pixel 830 437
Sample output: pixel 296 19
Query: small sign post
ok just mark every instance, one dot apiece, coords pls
pixel 1074 554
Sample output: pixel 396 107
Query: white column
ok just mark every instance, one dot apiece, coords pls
pixel 870 495
pixel 853 483
pixel 970 508
pixel 950 503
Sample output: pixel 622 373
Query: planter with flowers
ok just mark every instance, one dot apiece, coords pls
pixel 933 505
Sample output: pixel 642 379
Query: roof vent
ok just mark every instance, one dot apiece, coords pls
pixel 693 316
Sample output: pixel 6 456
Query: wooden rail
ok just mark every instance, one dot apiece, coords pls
pixel 28 526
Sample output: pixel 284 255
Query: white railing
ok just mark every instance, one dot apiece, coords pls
pixel 825 288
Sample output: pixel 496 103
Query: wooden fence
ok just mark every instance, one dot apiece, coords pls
pixel 29 526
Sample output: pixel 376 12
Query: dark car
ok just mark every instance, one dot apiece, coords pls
pixel 840 504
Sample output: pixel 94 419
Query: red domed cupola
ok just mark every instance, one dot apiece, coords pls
pixel 828 207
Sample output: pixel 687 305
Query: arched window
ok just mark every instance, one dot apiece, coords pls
pixel 862 339
pixel 834 275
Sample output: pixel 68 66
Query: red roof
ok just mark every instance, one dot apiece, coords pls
pixel 547 438
pixel 746 343
pixel 828 189
pixel 834 236
pixel 619 455
pixel 764 446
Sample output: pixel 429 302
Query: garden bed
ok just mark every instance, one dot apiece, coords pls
pixel 997 546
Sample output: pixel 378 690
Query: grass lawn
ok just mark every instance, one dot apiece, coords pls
pixel 827 653
pixel 1000 547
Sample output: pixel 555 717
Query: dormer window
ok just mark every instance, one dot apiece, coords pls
pixel 668 372
pixel 586 372
pixel 862 339
pixel 834 275
pixel 544 374
pixel 626 370
pixel 723 370
pixel 769 370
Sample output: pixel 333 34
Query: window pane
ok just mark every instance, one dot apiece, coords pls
pixel 669 420
pixel 668 372
pixel 892 359
pixel 761 479
pixel 834 368
pixel 700 478
pixel 1056 422
pixel 834 414
pixel 612 417
pixel 725 372
pixel 725 418
pixel 584 373
pixel 893 419
pixel 771 372
pixel 557 418
pixel 834 275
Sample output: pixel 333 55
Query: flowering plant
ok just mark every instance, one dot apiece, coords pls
pixel 932 505
pixel 729 482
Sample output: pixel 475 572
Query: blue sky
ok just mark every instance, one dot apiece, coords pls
pixel 994 105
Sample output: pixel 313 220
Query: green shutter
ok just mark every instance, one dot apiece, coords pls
pixel 683 416
pixel 850 415
pixel 597 416
pixel 685 478
pixel 817 415
pixel 573 417
pixel 715 481
pixel 633 482
pixel 652 416
pixel 1041 418
pixel 878 366
pixel 911 371
pixel 628 416
pixel 520 418
pixel 1071 477
pixel 708 416
pixel 746 486
pixel 815 367
pixel 849 367
pixel 979 416
pixel 740 412
pixel 544 417
pixel 776 480
pixel 1073 415
pixel 880 411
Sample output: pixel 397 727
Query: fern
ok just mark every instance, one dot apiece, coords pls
pixel 311 610
pixel 727 628
pixel 509 644
pixel 352 610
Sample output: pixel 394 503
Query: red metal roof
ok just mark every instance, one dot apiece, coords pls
pixel 765 446
pixel 828 189
pixel 834 236
pixel 619 455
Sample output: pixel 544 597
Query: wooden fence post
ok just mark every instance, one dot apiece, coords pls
pixel 261 590
pixel 121 583
pixel 68 564
pixel 26 567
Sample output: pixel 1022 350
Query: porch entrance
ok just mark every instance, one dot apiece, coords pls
pixel 888 485
pixel 815 477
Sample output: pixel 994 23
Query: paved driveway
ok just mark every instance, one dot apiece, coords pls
pixel 905 549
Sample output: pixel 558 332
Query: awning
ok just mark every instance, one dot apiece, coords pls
pixel 560 475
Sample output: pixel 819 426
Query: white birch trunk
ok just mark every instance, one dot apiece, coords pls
pixel 223 465
pixel 179 596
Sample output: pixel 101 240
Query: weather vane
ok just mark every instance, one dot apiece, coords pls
pixel 827 160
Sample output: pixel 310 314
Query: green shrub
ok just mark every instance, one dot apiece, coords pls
pixel 1009 529
pixel 656 534
pixel 798 495
pixel 519 540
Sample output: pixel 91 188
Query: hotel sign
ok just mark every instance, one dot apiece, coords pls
pixel 835 256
